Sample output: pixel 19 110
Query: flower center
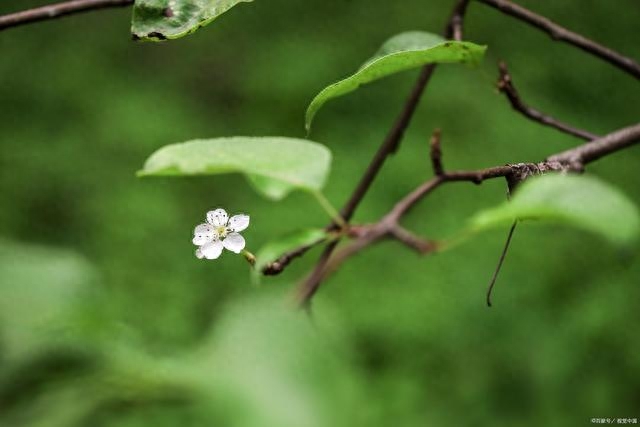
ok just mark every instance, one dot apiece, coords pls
pixel 222 231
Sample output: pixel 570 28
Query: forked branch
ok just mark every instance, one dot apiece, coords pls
pixel 505 85
pixel 388 226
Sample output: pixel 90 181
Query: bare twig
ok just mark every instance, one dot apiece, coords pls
pixel 591 151
pixel 436 153
pixel 375 234
pixel 390 144
pixel 454 26
pixel 310 285
pixel 571 160
pixel 57 10
pixel 505 85
pixel 500 261
pixel 412 241
pixel 281 263
pixel 560 33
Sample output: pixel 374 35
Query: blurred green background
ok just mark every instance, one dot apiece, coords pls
pixel 108 319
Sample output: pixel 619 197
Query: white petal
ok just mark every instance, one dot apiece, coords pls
pixel 239 222
pixel 199 254
pixel 234 242
pixel 204 233
pixel 211 250
pixel 218 217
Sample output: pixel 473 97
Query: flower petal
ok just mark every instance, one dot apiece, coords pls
pixel 234 242
pixel 204 233
pixel 217 217
pixel 211 250
pixel 238 222
pixel 199 254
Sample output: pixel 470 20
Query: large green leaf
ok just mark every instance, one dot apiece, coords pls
pixel 158 20
pixel 274 165
pixel 272 250
pixel 401 52
pixel 582 201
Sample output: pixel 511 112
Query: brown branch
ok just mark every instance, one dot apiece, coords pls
pixel 57 10
pixel 277 266
pixel 375 234
pixel 500 262
pixel 412 241
pixel 560 33
pixel 570 160
pixel 312 283
pixel 505 85
pixel 591 151
pixel 436 153
pixel 389 146
pixel 454 26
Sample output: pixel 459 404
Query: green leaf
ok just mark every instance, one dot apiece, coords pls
pixel 157 20
pixel 272 250
pixel 581 201
pixel 275 166
pixel 401 52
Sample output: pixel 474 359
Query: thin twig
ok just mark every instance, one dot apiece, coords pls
pixel 591 151
pixel 573 159
pixel 435 153
pixel 390 144
pixel 412 241
pixel 454 26
pixel 281 263
pixel 311 285
pixel 57 10
pixel 560 33
pixel 505 85
pixel 500 261
pixel 376 234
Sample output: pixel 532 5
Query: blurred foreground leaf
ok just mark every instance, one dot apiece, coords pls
pixel 274 165
pixel 271 366
pixel 157 20
pixel 40 290
pixel 272 250
pixel 581 201
pixel 401 52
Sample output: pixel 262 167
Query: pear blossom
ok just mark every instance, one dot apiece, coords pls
pixel 220 232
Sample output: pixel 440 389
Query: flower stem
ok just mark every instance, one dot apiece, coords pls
pixel 329 208
pixel 251 258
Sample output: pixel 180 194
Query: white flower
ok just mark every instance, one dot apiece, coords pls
pixel 219 232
